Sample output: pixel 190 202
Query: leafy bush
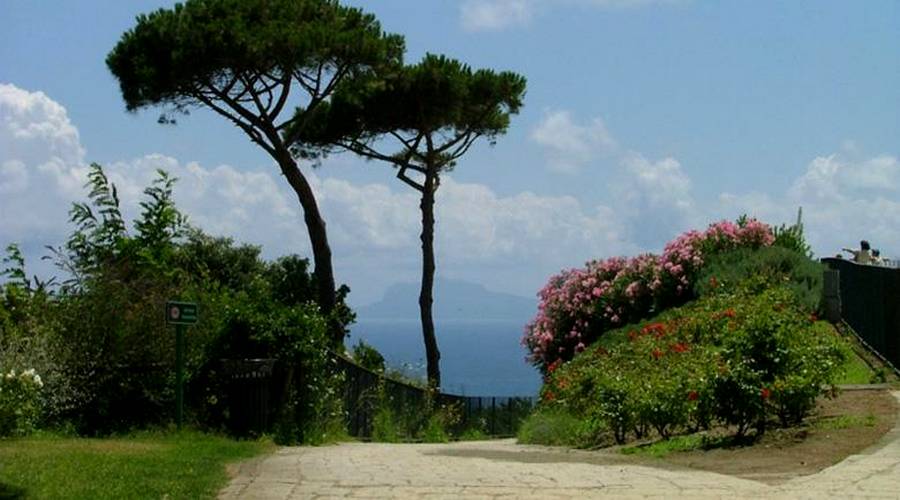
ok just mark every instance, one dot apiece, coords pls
pixel 368 357
pixel 20 406
pixel 108 358
pixel 551 428
pixel 577 306
pixel 736 359
pixel 435 430
pixel 762 269
pixel 792 237
pixel 384 426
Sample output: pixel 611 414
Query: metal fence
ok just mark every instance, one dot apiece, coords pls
pixel 367 393
pixel 868 298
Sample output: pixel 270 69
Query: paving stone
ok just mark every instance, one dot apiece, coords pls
pixel 373 470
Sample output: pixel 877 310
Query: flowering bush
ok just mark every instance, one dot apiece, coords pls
pixel 578 305
pixel 19 402
pixel 738 360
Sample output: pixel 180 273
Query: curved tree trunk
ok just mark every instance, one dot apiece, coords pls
pixel 426 299
pixel 318 238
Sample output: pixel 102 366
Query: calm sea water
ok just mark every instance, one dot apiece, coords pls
pixel 478 358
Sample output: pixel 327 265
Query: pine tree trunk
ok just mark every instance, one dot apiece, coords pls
pixel 426 299
pixel 318 238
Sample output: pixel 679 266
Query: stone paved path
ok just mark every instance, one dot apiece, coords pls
pixel 503 469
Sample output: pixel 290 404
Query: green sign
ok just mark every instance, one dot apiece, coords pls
pixel 181 313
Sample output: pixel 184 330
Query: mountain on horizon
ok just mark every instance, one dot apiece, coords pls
pixel 453 300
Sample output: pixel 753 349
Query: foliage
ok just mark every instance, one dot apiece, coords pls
pixel 552 427
pixel 20 407
pixel 368 357
pixel 107 357
pixel 441 418
pixel 435 430
pixel 144 465
pixel 473 434
pixel 737 359
pixel 254 62
pixel 578 306
pixel 792 237
pixel 763 268
pixel 384 426
pixel 420 118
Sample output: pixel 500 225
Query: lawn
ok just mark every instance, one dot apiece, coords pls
pixel 144 465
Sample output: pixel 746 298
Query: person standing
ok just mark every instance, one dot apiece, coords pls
pixel 863 255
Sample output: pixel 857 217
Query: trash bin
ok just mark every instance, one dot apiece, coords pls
pixel 249 396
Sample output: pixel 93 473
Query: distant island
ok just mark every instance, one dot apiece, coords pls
pixel 453 300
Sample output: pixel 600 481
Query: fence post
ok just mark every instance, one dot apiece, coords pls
pixel 494 416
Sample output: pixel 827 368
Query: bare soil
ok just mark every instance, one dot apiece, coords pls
pixel 846 425
pixel 849 424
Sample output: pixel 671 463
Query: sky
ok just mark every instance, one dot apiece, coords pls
pixel 642 119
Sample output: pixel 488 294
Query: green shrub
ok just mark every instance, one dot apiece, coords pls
pixel 20 407
pixel 384 426
pixel 763 268
pixel 792 238
pixel 737 359
pixel 435 430
pixel 368 357
pixel 552 428
pixel 472 434
pixel 105 353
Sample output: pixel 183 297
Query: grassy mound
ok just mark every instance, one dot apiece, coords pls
pixel 745 358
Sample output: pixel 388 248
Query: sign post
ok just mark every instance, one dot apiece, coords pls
pixel 180 314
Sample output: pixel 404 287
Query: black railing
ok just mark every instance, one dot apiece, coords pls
pixel 367 393
pixel 868 299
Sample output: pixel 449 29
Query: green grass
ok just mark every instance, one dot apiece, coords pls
pixel 845 422
pixel 661 449
pixel 143 465
pixel 856 371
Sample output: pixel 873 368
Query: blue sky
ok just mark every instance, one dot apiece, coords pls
pixel 642 119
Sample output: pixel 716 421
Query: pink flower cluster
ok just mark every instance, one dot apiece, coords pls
pixel 578 305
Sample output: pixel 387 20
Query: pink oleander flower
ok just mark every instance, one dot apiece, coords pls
pixel 572 302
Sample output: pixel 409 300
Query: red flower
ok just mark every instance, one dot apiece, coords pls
pixel 562 383
pixel 681 347
pixel 657 354
pixel 549 396
pixel 713 282
pixel 765 393
pixel 632 335
pixel 553 366
pixel 693 396
pixel 813 318
pixel 729 313
pixel 657 329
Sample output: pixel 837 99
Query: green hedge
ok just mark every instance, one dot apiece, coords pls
pixel 743 359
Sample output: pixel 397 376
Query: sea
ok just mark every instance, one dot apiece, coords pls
pixel 478 357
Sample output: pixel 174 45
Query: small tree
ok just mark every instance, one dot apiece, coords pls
pixel 251 61
pixel 420 119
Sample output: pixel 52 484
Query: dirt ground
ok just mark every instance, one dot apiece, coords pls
pixel 843 426
pixel 848 424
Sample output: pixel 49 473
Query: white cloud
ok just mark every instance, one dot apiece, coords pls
pixel 843 202
pixel 570 145
pixel 508 242
pixel 494 15
pixel 41 164
pixel 489 15
pixel 655 198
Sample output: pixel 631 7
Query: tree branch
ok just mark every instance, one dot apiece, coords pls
pixel 401 174
pixel 248 128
